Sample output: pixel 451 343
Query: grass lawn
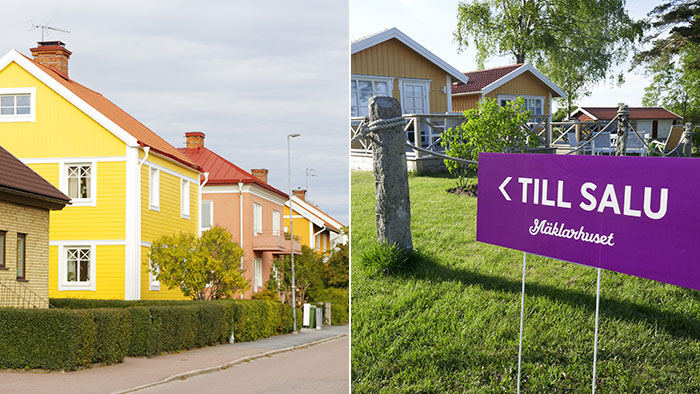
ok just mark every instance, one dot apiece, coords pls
pixel 450 322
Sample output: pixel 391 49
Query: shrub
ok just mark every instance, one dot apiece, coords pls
pixel 112 336
pixel 43 338
pixel 381 258
pixel 142 339
pixel 339 304
pixel 214 324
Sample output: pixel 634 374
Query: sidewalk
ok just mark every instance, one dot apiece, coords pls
pixel 134 372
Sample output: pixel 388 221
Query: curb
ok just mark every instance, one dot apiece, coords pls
pixel 189 374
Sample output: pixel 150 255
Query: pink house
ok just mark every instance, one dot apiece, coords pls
pixel 246 205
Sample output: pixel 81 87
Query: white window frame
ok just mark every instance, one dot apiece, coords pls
pixel 513 97
pixel 31 117
pixel 413 81
pixel 369 78
pixel 63 283
pixel 153 283
pixel 276 219
pixel 257 273
pixel 154 188
pixel 185 198
pixel 63 183
pixel 211 215
pixel 257 218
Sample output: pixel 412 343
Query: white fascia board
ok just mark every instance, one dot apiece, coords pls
pixel 583 111
pixel 14 56
pixel 466 93
pixel 249 188
pixel 388 34
pixel 316 212
pixel 525 67
pixel 308 215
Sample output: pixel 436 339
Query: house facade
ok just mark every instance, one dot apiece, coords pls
pixel 655 122
pixel 315 228
pixel 127 185
pixel 247 206
pixel 25 202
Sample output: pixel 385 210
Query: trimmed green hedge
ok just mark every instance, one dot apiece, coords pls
pixel 82 332
pixel 49 339
pixel 340 304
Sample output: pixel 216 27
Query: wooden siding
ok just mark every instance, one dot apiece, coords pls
pixel 60 129
pixel 164 293
pixel 109 271
pixel 463 103
pixel 394 59
pixel 301 227
pixel 524 84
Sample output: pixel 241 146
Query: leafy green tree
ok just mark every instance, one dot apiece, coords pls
pixel 576 43
pixel 338 267
pixel 673 28
pixel 308 271
pixel 487 128
pixel 208 267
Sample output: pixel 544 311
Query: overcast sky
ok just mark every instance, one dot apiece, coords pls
pixel 431 23
pixel 246 73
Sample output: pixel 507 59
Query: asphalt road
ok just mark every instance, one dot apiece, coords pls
pixel 322 369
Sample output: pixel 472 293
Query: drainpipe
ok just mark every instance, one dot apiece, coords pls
pixel 240 219
pixel 206 178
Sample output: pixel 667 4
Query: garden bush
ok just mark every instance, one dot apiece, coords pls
pixel 339 304
pixel 112 339
pixel 49 339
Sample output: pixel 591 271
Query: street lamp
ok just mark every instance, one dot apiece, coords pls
pixel 291 226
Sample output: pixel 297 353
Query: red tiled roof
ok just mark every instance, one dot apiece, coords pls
pixel 607 113
pixel 138 130
pixel 481 78
pixel 222 171
pixel 16 176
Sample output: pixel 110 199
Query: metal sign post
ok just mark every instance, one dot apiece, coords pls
pixel 595 337
pixel 522 313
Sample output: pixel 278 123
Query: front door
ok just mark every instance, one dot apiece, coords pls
pixel 655 129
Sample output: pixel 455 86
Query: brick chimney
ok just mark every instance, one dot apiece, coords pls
pixel 300 194
pixel 52 54
pixel 195 139
pixel 260 173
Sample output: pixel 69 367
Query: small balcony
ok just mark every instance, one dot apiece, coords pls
pixel 275 242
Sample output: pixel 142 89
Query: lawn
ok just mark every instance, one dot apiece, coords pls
pixel 450 322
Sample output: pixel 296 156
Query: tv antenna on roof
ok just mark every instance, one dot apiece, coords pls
pixel 45 28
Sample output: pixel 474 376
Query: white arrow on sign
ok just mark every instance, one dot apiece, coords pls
pixel 503 185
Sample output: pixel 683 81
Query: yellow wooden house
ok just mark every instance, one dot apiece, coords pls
pixel 314 228
pixel 127 185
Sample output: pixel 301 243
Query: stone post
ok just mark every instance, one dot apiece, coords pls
pixel 393 210
pixel 623 118
pixel 327 313
pixel 687 140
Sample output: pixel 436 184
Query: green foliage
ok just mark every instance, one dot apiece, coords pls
pixel 207 267
pixel 256 319
pixel 382 258
pixel 559 115
pixel 338 267
pixel 487 128
pixel 574 42
pixel 44 338
pixel 113 334
pixel 673 29
pixel 308 272
pixel 142 338
pixel 340 304
pixel 269 292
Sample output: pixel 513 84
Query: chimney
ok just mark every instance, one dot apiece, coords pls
pixel 300 194
pixel 260 173
pixel 195 139
pixel 52 54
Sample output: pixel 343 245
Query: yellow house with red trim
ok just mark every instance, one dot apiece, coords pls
pixel 315 228
pixel 127 185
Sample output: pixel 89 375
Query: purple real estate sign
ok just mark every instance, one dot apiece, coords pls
pixel 635 215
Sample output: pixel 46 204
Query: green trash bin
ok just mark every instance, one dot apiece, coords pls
pixel 312 317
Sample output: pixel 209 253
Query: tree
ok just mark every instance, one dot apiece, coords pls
pixel 575 43
pixel 208 267
pixel 338 267
pixel 308 272
pixel 673 29
pixel 487 128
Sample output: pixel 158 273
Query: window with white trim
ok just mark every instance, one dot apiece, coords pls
pixel 325 243
pixel 78 265
pixel 257 218
pixel 154 186
pixel 207 215
pixel 414 97
pixel 185 199
pixel 534 104
pixel 258 272
pixel 17 105
pixel 364 87
pixel 154 283
pixel 79 181
pixel 276 222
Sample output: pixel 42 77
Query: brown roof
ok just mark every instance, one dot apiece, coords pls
pixel 607 113
pixel 222 171
pixel 481 78
pixel 143 134
pixel 17 177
